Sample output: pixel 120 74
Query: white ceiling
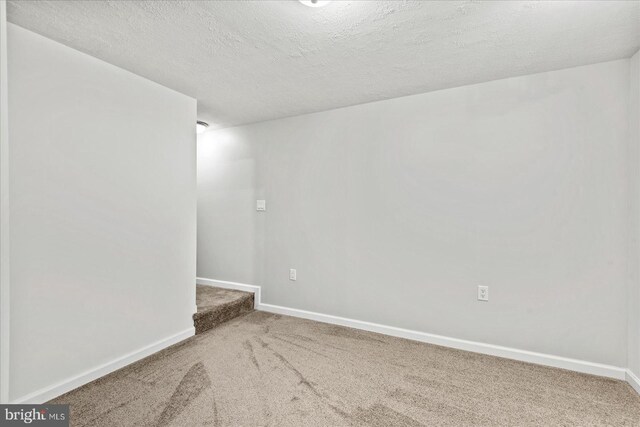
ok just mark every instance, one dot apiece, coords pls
pixel 254 61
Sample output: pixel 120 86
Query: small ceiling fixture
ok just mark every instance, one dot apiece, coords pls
pixel 201 126
pixel 315 3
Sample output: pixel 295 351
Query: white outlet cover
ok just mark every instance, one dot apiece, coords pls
pixel 261 205
pixel 292 274
pixel 483 293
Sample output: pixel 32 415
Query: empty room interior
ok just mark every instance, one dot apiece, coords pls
pixel 319 213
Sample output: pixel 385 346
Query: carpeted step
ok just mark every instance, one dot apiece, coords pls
pixel 217 305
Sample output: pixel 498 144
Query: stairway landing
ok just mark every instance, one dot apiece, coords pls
pixel 217 305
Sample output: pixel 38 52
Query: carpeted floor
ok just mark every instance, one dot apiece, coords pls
pixel 217 305
pixel 263 369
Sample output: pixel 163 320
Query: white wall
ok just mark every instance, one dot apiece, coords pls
pixel 393 212
pixel 103 207
pixel 4 211
pixel 633 299
pixel 229 241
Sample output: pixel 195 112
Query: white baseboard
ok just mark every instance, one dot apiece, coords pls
pixel 45 394
pixel 476 347
pixel 233 285
pixel 576 365
pixel 633 380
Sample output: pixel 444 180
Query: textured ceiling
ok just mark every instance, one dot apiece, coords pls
pixel 253 61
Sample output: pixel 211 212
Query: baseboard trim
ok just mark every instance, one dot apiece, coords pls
pixel 633 381
pixel 576 365
pixel 233 285
pixel 45 394
pixel 476 347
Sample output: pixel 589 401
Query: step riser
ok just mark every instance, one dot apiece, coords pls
pixel 210 319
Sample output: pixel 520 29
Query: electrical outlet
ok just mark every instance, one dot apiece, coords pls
pixel 483 293
pixel 292 274
pixel 261 205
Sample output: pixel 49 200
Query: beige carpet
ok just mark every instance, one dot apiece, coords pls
pixel 262 369
pixel 217 305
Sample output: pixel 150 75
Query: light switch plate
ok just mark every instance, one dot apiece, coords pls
pixel 261 205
